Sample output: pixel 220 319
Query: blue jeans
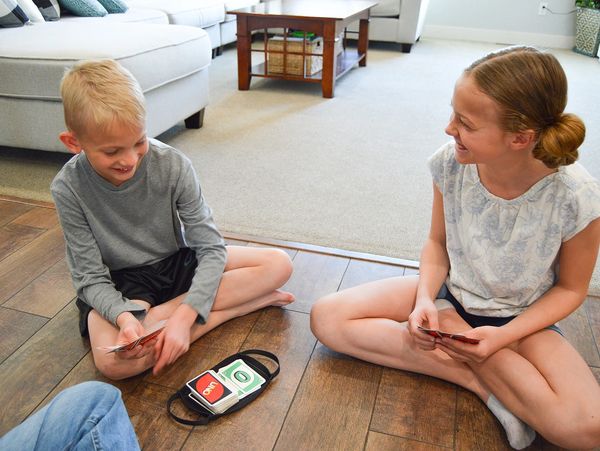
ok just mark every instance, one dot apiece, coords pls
pixel 88 416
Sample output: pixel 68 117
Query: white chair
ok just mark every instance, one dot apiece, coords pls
pixel 399 21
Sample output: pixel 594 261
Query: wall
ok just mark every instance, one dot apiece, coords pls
pixel 502 21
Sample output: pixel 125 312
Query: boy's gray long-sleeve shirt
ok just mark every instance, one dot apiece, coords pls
pixel 148 218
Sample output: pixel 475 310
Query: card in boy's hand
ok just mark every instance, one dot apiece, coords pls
pixel 240 375
pixel 151 333
pixel 212 392
pixel 439 334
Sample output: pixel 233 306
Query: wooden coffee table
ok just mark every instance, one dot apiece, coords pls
pixel 326 18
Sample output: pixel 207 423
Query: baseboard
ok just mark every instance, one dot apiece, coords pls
pixel 323 250
pixel 498 36
pixel 20 200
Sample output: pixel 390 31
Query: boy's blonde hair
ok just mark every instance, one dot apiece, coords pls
pixel 530 88
pixel 98 93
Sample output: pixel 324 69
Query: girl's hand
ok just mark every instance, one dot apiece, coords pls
pixel 490 341
pixel 426 315
pixel 174 340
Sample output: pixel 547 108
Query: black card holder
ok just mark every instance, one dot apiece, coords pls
pixel 204 415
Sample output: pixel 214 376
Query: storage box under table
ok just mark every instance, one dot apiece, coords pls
pixel 296 52
pixel 313 62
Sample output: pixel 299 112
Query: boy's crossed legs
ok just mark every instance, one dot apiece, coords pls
pixel 544 381
pixel 250 281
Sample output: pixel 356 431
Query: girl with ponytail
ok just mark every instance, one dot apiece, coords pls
pixel 513 242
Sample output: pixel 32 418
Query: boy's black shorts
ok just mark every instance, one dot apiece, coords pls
pixel 156 283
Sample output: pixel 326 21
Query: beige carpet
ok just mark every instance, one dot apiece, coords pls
pixel 279 161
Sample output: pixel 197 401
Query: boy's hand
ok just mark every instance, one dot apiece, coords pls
pixel 130 329
pixel 426 315
pixel 174 340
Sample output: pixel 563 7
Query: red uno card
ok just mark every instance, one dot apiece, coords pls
pixel 153 332
pixel 439 334
pixel 433 332
pixel 145 339
pixel 211 391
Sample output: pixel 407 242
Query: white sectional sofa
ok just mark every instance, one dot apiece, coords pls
pixel 399 21
pixel 229 25
pixel 210 15
pixel 166 44
pixel 170 62
pixel 205 14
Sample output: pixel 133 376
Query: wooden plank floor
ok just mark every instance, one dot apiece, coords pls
pixel 305 408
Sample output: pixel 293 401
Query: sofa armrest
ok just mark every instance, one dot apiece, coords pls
pixel 412 18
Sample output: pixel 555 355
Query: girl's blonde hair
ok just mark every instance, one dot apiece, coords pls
pixel 530 87
pixel 98 93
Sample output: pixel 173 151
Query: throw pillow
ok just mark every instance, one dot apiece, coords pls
pixel 49 9
pixel 86 8
pixel 114 6
pixel 31 10
pixel 11 14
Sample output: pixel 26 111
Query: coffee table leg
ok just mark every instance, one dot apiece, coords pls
pixel 328 80
pixel 363 40
pixel 243 53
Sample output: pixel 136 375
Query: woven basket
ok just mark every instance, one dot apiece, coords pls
pixel 293 62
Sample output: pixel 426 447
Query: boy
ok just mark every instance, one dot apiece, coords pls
pixel 142 246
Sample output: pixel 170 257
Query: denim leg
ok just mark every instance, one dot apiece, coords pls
pixel 88 416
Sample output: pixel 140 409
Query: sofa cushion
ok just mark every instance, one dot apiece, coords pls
pixel 131 15
pixel 195 13
pixel 114 6
pixel 31 10
pixel 84 8
pixel 386 8
pixel 49 8
pixel 33 51
pixel 230 5
pixel 11 14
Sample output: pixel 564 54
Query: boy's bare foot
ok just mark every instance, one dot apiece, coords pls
pixel 282 298
pixel 276 298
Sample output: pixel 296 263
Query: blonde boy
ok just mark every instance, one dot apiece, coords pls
pixel 141 242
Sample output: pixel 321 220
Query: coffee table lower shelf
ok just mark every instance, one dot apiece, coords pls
pixel 344 62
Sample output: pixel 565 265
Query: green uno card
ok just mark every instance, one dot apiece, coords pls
pixel 241 376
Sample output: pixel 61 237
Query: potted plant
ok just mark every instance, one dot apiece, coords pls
pixel 587 27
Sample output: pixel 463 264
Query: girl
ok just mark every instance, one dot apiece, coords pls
pixel 513 242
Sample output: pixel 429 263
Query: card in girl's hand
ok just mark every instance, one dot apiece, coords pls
pixel 433 332
pixel 439 334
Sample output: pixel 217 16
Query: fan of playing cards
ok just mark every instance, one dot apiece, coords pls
pixel 151 333
pixel 439 334
pixel 218 391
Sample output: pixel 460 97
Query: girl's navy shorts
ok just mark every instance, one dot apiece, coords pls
pixel 476 320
